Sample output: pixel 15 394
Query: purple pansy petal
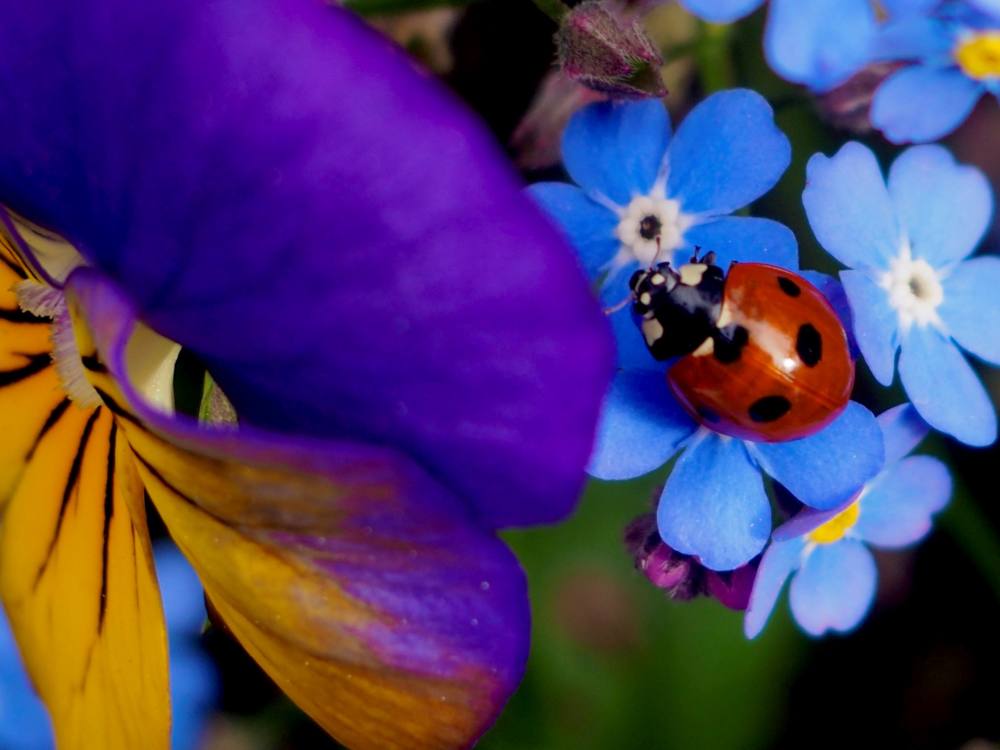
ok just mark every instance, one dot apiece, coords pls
pixel 897 507
pixel 910 38
pixel 745 239
pixel 922 103
pixel 944 388
pixel 834 292
pixel 721 11
pixel 902 430
pixel 849 208
pixel 641 427
pixel 779 561
pixel 589 226
pixel 803 46
pixel 834 588
pixel 827 468
pixel 944 208
pixel 714 505
pixel 329 559
pixel 970 311
pixel 727 153
pixel 876 324
pixel 616 148
pixel 326 228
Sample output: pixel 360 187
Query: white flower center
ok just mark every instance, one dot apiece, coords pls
pixel 915 290
pixel 651 229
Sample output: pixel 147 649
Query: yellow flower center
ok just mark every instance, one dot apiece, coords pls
pixel 978 55
pixel 834 529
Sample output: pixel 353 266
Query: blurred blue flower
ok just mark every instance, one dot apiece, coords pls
pixel 954 51
pixel 24 722
pixel 645 196
pixel 800 41
pixel 833 572
pixel 909 286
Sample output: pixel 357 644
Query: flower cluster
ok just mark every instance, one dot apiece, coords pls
pixel 641 202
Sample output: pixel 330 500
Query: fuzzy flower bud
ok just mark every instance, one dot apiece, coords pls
pixel 608 53
pixel 683 576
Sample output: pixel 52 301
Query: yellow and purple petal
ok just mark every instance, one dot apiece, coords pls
pixel 367 590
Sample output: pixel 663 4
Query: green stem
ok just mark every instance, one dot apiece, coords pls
pixel 712 51
pixel 976 536
pixel 554 9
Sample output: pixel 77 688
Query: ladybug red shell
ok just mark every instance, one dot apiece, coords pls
pixel 761 354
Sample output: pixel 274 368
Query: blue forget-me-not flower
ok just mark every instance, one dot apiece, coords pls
pixel 826 553
pixel 910 285
pixel 953 51
pixel 634 177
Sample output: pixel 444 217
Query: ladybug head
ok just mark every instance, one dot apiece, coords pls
pixel 677 310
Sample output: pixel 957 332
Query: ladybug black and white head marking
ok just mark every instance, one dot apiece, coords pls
pixel 677 310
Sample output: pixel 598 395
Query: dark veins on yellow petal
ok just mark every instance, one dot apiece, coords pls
pixel 76 570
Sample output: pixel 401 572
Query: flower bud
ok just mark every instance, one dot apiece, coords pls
pixel 683 576
pixel 608 53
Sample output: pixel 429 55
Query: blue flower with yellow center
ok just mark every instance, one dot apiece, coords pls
pixel 951 56
pixel 910 284
pixel 632 175
pixel 271 185
pixel 826 553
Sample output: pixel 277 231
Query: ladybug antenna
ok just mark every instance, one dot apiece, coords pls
pixel 618 306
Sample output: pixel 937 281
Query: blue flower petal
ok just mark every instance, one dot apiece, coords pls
pixel 897 507
pixel 780 560
pixel 944 208
pixel 987 6
pixel 727 153
pixel 876 324
pixel 911 37
pixel 721 11
pixel 971 307
pixel 944 388
pixel 589 226
pixel 922 103
pixel 826 469
pixel 802 45
pixel 746 239
pixel 834 588
pixel 834 292
pixel 616 149
pixel 902 431
pixel 903 7
pixel 641 427
pixel 714 505
pixel 849 209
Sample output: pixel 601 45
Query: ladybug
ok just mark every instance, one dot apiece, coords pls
pixel 759 352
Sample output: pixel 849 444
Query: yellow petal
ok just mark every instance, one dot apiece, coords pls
pixel 362 587
pixel 76 570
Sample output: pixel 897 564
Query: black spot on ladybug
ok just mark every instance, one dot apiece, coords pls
pixel 729 343
pixel 707 415
pixel 650 227
pixel 809 345
pixel 769 408
pixel 789 287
